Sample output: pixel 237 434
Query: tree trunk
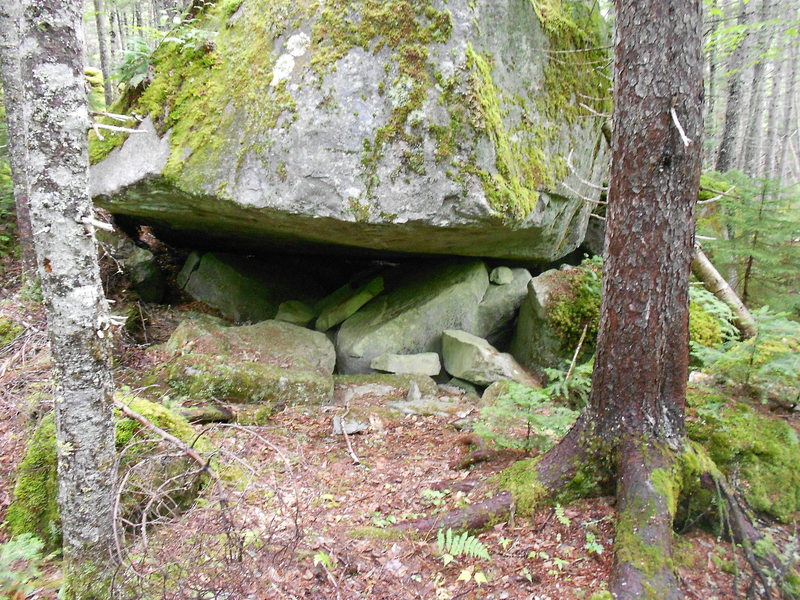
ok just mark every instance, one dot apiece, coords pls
pixel 711 100
pixel 730 128
pixel 771 139
pixel 102 42
pixel 77 313
pixel 789 100
pixel 11 77
pixel 751 147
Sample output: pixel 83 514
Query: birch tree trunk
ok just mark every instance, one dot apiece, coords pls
pixel 11 77
pixel 78 322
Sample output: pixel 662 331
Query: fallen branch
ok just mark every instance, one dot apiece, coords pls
pixel 180 444
pixel 704 270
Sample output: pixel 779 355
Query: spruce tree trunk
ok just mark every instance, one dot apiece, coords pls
pixel 730 128
pixel 77 313
pixel 102 42
pixel 11 77
pixel 751 147
pixel 641 366
pixel 771 138
pixel 789 103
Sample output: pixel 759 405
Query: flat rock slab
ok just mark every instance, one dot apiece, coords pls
pixel 473 359
pixel 410 319
pixel 338 312
pixel 427 363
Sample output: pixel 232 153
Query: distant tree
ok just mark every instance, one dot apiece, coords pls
pixel 78 322
pixel 11 77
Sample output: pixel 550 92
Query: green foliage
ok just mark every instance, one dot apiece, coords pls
pixel 754 229
pixel 766 365
pixel 137 59
pixel 21 561
pixel 578 307
pixel 9 330
pixel 453 545
pixel 525 418
pixel 8 226
pixel 34 509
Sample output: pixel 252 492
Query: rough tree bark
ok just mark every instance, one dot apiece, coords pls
pixel 102 42
pixel 78 322
pixel 11 77
pixel 789 100
pixel 730 128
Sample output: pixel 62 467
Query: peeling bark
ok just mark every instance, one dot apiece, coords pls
pixel 77 313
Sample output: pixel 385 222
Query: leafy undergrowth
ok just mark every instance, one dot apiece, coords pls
pixel 302 520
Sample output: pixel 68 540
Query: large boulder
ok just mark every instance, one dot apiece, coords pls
pixel 436 127
pixel 411 318
pixel 272 363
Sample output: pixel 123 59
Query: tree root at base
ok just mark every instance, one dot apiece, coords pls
pixel 650 481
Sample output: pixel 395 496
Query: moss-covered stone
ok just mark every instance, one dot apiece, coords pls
pixel 762 451
pixel 467 141
pixel 213 378
pixel 34 508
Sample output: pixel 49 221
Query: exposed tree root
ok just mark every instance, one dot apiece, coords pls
pixel 643 566
pixel 651 478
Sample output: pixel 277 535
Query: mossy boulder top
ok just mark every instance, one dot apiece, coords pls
pixel 421 126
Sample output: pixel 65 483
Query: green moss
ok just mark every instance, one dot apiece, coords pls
pixel 578 307
pixel 602 595
pixel 704 328
pixel 574 78
pixel 665 482
pixel 34 508
pixel 762 451
pixel 521 479
pixel 521 164
pixel 9 330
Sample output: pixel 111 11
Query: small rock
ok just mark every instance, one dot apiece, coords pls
pixel 349 426
pixel 295 312
pixel 469 357
pixel 501 276
pixel 414 394
pixel 700 378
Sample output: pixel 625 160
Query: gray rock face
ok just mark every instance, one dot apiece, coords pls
pixel 498 309
pixel 472 358
pixel 431 131
pixel 411 318
pixel 139 265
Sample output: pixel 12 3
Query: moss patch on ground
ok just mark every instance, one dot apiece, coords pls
pixel 762 453
pixel 34 509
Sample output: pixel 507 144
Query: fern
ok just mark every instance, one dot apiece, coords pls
pixel 452 545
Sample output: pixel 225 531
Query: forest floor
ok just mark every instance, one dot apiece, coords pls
pixel 294 496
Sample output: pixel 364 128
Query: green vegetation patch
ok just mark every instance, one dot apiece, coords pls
pixel 34 509
pixel 761 452
pixel 9 330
